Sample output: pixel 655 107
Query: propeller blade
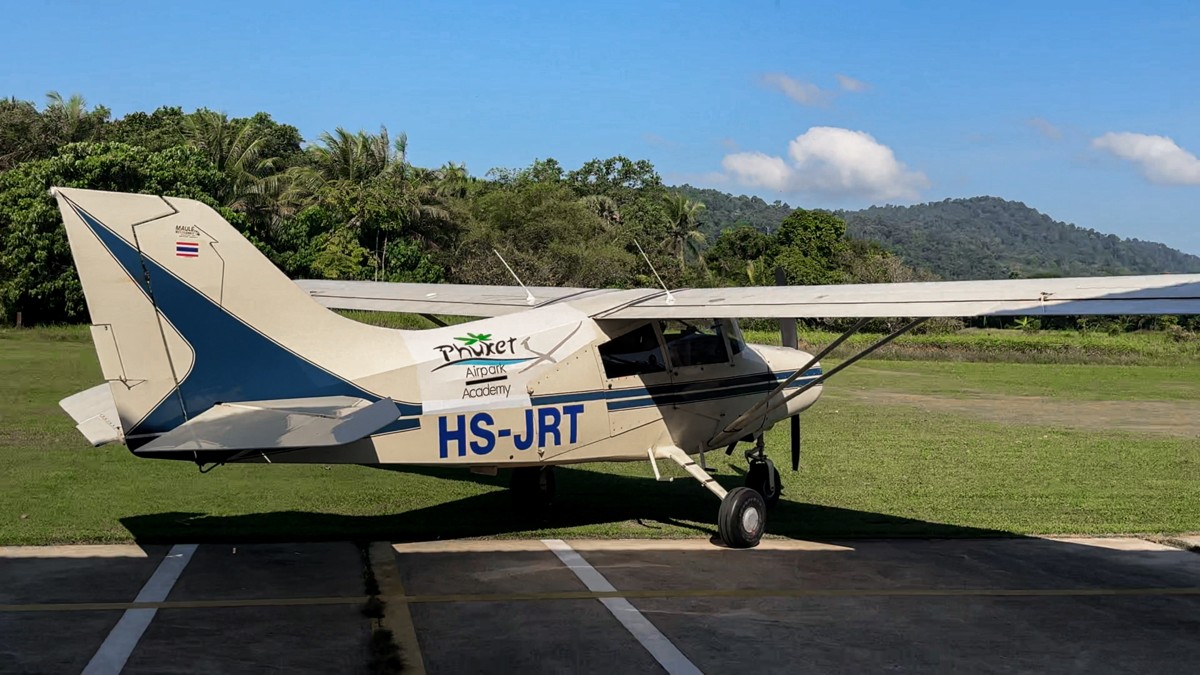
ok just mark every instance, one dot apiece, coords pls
pixel 795 442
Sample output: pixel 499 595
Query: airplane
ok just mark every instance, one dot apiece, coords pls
pixel 211 354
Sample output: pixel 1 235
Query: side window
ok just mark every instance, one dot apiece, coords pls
pixel 634 353
pixel 694 344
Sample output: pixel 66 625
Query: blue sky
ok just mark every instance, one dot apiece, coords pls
pixel 1088 111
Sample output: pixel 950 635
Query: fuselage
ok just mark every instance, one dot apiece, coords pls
pixel 553 385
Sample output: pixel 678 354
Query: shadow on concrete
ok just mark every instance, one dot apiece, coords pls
pixel 585 497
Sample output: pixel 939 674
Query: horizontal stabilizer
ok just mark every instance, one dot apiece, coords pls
pixel 95 414
pixel 284 423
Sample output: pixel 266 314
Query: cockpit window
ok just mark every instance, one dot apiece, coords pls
pixel 736 341
pixel 694 344
pixel 635 353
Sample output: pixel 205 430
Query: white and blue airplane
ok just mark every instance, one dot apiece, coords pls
pixel 211 354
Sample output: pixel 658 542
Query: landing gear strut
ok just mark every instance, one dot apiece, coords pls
pixel 762 476
pixel 533 486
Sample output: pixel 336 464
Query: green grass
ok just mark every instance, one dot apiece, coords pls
pixel 869 468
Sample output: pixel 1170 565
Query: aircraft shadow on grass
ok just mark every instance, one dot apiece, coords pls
pixel 585 498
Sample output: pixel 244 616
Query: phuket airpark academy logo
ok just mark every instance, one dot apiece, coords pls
pixel 486 361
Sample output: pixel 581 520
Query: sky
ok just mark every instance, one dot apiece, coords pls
pixel 1087 111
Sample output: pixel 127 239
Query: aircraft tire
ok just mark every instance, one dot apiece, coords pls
pixel 533 486
pixel 742 518
pixel 757 479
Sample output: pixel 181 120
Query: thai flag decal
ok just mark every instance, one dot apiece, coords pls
pixel 187 249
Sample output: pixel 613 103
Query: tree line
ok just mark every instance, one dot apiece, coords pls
pixel 350 205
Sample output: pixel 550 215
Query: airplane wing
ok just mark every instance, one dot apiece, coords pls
pixel 1150 294
pixel 1158 294
pixel 452 299
pixel 280 424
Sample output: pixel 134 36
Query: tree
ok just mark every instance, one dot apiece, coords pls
pixel 164 128
pixel 348 158
pixel 20 123
pixel 737 248
pixel 544 230
pixel 37 276
pixel 682 220
pixel 810 245
pixel 236 149
pixel 68 120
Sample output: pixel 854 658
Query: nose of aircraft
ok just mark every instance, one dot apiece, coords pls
pixel 783 362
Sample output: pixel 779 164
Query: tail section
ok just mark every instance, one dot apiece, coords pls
pixel 187 313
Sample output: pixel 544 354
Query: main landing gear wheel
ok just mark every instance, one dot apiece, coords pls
pixel 763 478
pixel 742 518
pixel 533 486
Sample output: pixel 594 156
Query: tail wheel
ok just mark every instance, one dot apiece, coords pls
pixel 763 478
pixel 742 518
pixel 533 486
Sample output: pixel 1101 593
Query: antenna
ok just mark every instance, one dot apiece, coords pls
pixel 670 298
pixel 529 299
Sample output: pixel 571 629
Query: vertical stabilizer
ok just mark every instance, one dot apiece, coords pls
pixel 187 313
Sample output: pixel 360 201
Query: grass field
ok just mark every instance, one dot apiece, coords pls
pixel 894 447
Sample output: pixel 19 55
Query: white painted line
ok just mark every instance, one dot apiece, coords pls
pixel 114 652
pixel 667 654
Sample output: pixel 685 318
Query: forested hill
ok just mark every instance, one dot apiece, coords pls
pixel 992 238
pixel 975 238
pixel 723 210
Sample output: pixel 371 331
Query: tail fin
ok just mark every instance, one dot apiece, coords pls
pixel 187 313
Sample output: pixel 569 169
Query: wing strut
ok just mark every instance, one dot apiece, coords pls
pixel 764 407
pixel 730 432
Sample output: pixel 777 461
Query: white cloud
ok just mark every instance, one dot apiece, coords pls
pixel 1045 128
pixel 830 161
pixel 1160 159
pixel 804 93
pixel 848 83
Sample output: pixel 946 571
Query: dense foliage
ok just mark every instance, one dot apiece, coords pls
pixel 349 205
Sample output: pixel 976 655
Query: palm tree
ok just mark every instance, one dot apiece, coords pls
pixel 68 120
pixel 453 180
pixel 603 206
pixel 235 149
pixel 350 158
pixel 682 219
pixel 386 196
